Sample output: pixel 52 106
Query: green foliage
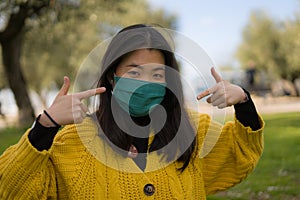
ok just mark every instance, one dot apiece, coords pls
pixel 277 175
pixel 261 43
pixel 273 45
pixel 57 43
pixel 290 48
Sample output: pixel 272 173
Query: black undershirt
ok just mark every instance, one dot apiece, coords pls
pixel 42 137
pixel 142 146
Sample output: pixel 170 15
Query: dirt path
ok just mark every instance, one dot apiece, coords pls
pixel 277 105
pixel 268 105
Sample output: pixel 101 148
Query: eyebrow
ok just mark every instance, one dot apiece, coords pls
pixel 141 67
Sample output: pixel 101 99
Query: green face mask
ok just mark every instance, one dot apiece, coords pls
pixel 137 97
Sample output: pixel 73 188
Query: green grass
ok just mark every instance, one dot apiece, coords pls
pixel 277 176
pixel 10 136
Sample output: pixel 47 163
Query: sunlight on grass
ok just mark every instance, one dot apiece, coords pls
pixel 277 175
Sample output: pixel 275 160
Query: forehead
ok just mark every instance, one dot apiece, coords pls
pixel 143 56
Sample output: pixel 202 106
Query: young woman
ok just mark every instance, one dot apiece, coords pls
pixel 141 143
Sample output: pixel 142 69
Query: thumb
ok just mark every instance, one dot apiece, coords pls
pixel 215 74
pixel 65 87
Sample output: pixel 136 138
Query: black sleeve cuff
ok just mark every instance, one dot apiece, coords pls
pixel 42 137
pixel 246 113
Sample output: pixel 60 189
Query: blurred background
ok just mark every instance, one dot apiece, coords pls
pixel 255 44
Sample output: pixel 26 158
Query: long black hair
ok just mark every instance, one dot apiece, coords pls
pixel 129 39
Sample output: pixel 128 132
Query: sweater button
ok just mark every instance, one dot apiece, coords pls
pixel 149 189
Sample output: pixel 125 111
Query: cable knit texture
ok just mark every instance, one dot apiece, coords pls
pixel 80 165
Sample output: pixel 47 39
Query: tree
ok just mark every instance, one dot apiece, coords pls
pixel 57 38
pixel 273 45
pixel 14 15
pixel 261 44
pixel 64 44
pixel 290 48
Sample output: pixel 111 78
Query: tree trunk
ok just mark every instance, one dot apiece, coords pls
pixel 11 54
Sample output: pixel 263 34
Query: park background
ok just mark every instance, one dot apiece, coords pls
pixel 255 44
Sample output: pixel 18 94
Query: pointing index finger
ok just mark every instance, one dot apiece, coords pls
pixel 207 92
pixel 215 74
pixel 203 94
pixel 89 93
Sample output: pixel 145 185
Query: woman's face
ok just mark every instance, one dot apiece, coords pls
pixel 143 64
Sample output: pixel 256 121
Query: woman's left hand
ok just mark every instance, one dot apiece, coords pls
pixel 223 94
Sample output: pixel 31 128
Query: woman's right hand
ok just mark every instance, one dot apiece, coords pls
pixel 68 108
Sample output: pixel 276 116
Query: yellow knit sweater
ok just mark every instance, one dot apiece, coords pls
pixel 86 168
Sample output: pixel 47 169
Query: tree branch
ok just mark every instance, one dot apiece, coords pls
pixel 37 8
pixel 17 20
